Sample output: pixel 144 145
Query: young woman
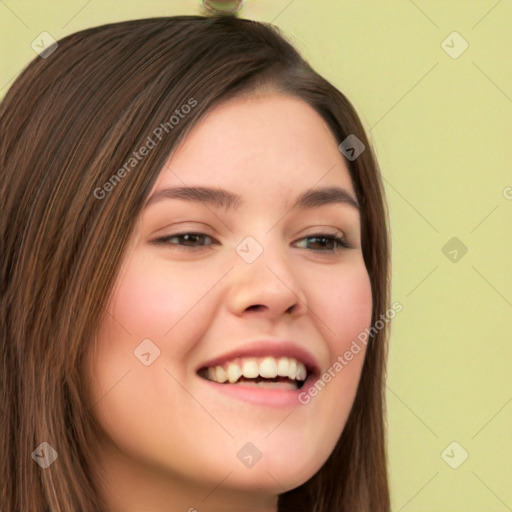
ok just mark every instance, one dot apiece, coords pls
pixel 195 256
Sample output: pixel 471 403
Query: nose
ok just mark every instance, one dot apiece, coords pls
pixel 268 286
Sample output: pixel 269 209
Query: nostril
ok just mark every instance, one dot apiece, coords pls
pixel 255 307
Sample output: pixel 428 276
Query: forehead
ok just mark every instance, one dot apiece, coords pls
pixel 259 144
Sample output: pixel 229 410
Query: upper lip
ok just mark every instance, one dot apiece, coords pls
pixel 273 348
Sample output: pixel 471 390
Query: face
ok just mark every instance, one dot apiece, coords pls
pixel 250 282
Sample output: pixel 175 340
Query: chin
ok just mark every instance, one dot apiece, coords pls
pixel 278 472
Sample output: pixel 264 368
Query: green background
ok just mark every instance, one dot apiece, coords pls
pixel 441 131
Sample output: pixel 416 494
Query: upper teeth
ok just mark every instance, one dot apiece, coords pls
pixel 252 367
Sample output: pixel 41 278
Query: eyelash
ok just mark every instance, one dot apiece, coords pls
pixel 340 242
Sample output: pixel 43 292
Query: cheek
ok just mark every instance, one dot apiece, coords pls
pixel 341 303
pixel 347 314
pixel 351 316
pixel 143 305
pixel 346 308
pixel 151 297
pixel 153 300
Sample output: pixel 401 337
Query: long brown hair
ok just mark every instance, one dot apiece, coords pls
pixel 68 124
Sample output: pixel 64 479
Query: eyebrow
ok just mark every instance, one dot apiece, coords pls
pixel 222 198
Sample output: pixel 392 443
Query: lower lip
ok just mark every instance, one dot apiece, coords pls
pixel 267 397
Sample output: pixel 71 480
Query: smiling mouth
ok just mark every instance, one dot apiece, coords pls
pixel 283 373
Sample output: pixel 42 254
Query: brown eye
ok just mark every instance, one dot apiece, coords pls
pixel 187 241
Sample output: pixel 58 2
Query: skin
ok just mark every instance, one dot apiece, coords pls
pixel 170 443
